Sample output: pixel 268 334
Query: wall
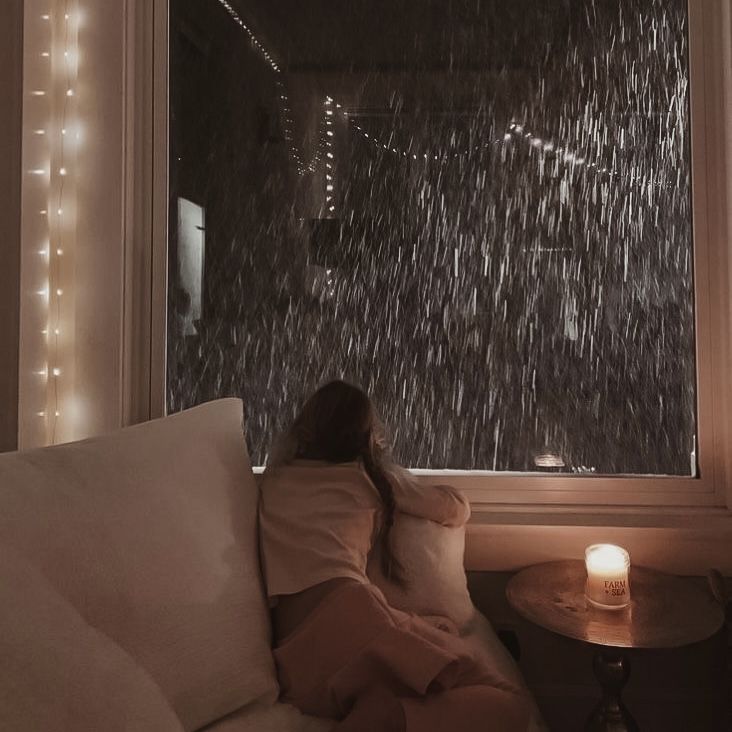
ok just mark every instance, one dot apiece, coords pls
pixel 102 228
pixel 11 74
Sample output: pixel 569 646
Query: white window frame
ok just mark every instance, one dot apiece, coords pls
pixel 517 518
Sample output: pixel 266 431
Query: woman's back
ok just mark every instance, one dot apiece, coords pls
pixel 317 523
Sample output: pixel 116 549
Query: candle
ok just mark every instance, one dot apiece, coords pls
pixel 607 576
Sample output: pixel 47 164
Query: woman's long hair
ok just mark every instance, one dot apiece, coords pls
pixel 338 424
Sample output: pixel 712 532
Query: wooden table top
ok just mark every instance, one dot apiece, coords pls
pixel 664 611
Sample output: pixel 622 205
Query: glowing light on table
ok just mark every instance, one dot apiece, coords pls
pixel 607 576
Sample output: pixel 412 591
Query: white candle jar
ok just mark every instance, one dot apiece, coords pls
pixel 607 576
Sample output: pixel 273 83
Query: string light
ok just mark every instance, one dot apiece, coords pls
pixel 54 87
pixel 515 131
pixel 282 97
pixel 429 155
pixel 329 151
pixel 262 50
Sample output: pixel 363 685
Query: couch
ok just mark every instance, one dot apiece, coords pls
pixel 130 591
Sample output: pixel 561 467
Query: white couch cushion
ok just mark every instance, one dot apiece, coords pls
pixel 150 534
pixel 58 674
pixel 276 717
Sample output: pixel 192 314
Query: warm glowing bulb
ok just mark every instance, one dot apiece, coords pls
pixel 63 131
pixel 329 188
pixel 56 331
pixel 59 292
pixel 62 171
pixel 41 414
pixel 39 132
pixel 38 93
pixel 45 54
pixel 57 372
pixel 60 211
pixel 59 252
pixel 58 414
pixel 69 92
pixel 37 171
pixel 45 16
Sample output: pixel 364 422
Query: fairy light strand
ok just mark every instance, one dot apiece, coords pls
pixel 60 52
pixel 330 157
pixel 515 132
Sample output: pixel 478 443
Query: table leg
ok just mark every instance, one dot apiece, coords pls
pixel 612 670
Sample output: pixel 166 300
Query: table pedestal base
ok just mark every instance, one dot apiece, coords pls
pixel 612 671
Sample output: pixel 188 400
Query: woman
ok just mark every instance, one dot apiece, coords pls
pixel 329 499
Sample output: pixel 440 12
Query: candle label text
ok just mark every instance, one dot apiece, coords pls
pixel 615 588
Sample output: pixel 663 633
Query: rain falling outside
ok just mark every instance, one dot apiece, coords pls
pixel 479 211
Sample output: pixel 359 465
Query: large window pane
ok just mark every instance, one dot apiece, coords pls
pixel 479 211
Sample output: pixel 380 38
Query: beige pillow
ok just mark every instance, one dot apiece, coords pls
pixel 432 556
pixel 58 674
pixel 150 533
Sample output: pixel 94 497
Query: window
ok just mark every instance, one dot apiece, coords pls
pixel 481 212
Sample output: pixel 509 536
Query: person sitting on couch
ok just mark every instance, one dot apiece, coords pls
pixel 328 499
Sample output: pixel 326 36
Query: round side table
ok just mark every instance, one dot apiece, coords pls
pixel 664 612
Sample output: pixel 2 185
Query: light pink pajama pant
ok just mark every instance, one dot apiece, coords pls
pixel 377 669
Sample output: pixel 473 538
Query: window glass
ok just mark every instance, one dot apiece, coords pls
pixel 477 210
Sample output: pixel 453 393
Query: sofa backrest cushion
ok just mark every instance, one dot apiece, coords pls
pixel 150 533
pixel 57 673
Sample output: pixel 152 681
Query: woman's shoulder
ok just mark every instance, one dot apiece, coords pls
pixel 316 471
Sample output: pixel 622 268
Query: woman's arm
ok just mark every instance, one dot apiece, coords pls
pixel 442 504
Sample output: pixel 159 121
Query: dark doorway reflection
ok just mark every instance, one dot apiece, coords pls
pixel 479 211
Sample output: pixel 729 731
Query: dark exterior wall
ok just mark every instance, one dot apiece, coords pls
pixel 11 78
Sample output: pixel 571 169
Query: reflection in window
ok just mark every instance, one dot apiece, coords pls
pixel 478 211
